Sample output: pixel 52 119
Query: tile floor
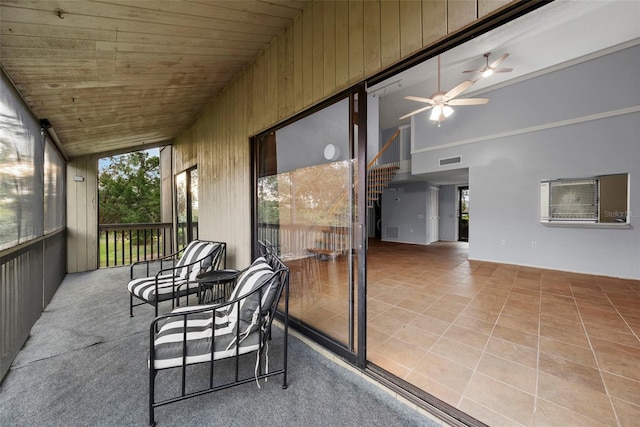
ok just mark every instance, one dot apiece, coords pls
pixel 506 344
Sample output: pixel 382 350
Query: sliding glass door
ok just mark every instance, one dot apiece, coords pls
pixel 186 207
pixel 307 204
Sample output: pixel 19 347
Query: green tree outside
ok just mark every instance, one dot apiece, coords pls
pixel 129 189
pixel 129 193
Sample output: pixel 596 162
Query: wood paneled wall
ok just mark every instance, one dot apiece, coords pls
pixel 330 46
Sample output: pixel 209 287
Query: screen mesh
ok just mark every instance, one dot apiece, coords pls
pixel 21 180
pixel 54 200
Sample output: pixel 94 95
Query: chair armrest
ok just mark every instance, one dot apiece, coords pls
pixel 164 270
pixel 195 309
pixel 191 309
pixel 187 266
pixel 146 263
pixel 223 275
pixel 182 312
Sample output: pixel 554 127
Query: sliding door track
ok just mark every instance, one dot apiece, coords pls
pixel 420 398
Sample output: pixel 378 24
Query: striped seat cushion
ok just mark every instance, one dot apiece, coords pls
pixel 219 326
pixel 195 250
pixel 252 278
pixel 198 253
pixel 145 287
pixel 203 330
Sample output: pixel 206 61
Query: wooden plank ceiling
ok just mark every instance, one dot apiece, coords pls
pixel 117 75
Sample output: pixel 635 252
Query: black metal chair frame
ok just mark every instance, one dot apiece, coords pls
pixel 281 274
pixel 219 255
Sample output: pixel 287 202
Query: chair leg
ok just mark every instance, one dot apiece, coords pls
pixel 284 376
pixel 130 305
pixel 152 377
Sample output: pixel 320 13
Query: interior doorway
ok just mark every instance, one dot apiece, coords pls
pixel 434 207
pixel 463 214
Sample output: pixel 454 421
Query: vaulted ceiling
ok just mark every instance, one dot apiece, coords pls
pixel 555 36
pixel 114 75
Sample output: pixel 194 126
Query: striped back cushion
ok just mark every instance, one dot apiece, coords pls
pixel 195 250
pixel 251 279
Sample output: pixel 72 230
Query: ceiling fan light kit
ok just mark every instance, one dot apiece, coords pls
pixel 440 112
pixel 487 73
pixel 489 69
pixel 441 102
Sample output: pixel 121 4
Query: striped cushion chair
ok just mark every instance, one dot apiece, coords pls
pixel 178 280
pixel 207 333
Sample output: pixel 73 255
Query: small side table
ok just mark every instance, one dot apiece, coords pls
pixel 222 280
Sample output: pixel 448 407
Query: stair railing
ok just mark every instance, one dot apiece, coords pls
pixel 380 184
pixel 393 138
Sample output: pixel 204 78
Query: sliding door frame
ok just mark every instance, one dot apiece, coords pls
pixel 355 351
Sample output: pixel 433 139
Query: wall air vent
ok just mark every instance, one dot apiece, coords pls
pixel 391 232
pixel 450 161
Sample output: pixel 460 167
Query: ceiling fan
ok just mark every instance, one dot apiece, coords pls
pixel 441 101
pixel 489 69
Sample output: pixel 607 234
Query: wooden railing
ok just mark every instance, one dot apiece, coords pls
pixel 123 244
pixel 394 156
pixel 382 168
pixel 329 241
pixel 294 241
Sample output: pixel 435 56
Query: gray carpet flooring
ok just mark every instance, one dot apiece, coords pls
pixel 85 365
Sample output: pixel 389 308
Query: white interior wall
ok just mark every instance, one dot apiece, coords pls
pixel 580 121
pixel 406 206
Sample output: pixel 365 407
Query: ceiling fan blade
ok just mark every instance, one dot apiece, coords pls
pixel 457 90
pixel 417 98
pixel 413 113
pixel 468 101
pixel 495 63
pixel 492 66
